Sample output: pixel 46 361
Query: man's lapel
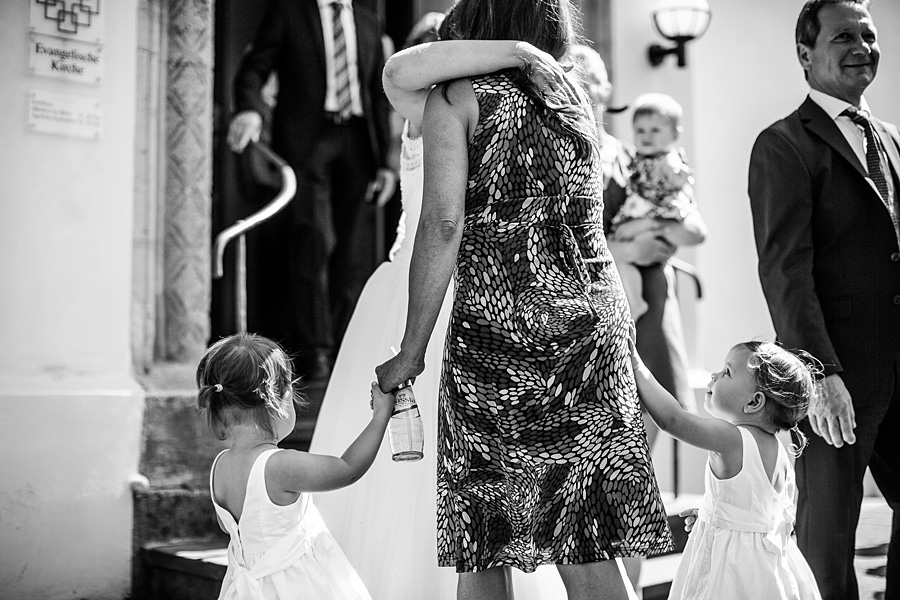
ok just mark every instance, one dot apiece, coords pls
pixel 816 120
pixel 889 143
pixel 313 20
pixel 366 29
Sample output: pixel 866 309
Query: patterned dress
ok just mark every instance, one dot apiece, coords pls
pixel 542 452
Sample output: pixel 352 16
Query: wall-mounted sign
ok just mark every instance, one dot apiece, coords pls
pixel 65 114
pixel 65 59
pixel 75 19
pixel 66 40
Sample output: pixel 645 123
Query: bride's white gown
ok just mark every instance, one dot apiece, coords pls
pixel 385 523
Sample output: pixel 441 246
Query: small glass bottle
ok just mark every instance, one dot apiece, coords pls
pixel 406 431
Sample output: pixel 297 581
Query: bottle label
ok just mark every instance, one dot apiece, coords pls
pixel 404 404
pixel 407 436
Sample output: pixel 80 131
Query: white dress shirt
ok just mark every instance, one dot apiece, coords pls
pixel 856 137
pixel 326 12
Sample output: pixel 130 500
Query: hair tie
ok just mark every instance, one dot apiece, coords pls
pixel 218 387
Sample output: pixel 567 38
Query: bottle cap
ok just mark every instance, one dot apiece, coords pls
pixel 405 384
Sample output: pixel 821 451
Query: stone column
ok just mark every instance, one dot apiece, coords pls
pixel 189 134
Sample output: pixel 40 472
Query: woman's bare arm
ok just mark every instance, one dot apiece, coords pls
pixel 410 74
pixel 446 132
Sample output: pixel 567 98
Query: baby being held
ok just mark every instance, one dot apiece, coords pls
pixel 660 199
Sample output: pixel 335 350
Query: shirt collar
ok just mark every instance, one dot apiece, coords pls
pixel 835 106
pixel 328 3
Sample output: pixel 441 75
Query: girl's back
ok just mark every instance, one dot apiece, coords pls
pixel 741 545
pixel 278 551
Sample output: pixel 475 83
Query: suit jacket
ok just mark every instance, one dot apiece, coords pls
pixel 829 260
pixel 289 41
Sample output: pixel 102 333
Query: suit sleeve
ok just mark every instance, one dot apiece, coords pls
pixel 381 106
pixel 781 201
pixel 259 61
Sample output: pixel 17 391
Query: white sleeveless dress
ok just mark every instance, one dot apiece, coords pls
pixel 386 522
pixel 741 547
pixel 282 552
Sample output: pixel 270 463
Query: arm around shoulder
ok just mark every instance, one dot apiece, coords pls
pixel 410 74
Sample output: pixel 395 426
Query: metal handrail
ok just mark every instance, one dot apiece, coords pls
pixel 242 226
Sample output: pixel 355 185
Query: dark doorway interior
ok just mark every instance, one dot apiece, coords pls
pixel 236 24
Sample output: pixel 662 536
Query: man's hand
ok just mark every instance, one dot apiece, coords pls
pixel 245 127
pixel 384 185
pixel 831 413
pixel 690 517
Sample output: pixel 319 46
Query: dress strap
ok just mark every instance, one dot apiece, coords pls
pixel 212 472
pixel 753 456
pixel 256 481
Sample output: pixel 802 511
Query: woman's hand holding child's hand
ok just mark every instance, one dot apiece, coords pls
pixel 398 369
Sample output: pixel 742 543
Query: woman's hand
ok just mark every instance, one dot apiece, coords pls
pixel 550 77
pixel 397 370
pixel 543 70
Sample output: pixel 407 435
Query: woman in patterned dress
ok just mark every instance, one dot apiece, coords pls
pixel 542 456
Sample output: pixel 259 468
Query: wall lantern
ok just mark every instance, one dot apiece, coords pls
pixel 680 21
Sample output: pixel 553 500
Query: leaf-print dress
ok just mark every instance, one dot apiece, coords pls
pixel 542 452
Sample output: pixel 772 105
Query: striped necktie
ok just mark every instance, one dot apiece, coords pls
pixel 874 153
pixel 341 69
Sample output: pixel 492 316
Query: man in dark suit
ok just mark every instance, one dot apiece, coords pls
pixel 331 124
pixel 823 192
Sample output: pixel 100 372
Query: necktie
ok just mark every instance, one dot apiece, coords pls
pixel 341 70
pixel 874 152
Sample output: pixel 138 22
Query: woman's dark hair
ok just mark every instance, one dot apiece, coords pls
pixel 243 379
pixel 808 23
pixel 548 25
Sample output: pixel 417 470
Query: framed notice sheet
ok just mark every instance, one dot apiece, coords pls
pixel 65 114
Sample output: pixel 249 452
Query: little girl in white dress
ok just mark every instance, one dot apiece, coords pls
pixel 740 546
pixel 280 549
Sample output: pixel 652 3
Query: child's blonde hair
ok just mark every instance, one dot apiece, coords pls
pixel 787 378
pixel 663 105
pixel 245 379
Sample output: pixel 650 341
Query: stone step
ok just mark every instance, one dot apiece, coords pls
pixel 171 498
pixel 195 569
